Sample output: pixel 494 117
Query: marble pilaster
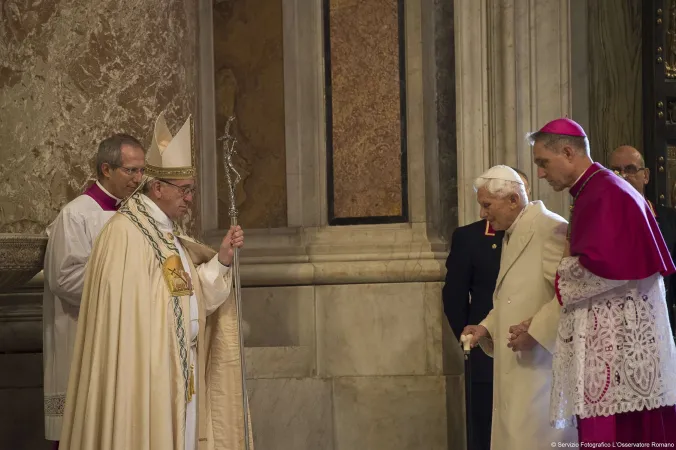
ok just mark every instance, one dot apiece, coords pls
pixel 472 101
pixel 579 64
pixel 526 46
pixel 529 83
pixel 441 150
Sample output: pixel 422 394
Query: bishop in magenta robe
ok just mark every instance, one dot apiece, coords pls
pixel 614 369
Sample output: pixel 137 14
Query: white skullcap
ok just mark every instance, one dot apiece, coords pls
pixel 504 173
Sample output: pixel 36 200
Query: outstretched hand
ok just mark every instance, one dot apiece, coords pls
pixel 233 239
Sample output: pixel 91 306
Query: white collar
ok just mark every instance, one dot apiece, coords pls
pixel 162 219
pixel 511 228
pixel 105 191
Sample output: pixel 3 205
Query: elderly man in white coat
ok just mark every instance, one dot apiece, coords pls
pixel 520 331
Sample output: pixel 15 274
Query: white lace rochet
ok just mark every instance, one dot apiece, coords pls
pixel 614 351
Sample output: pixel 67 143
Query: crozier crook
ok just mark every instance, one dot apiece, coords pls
pixel 233 178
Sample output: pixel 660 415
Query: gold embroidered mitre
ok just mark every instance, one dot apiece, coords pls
pixel 171 157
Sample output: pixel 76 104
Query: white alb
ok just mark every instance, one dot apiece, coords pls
pixel 614 350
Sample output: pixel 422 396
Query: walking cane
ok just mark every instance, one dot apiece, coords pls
pixel 466 339
pixel 233 179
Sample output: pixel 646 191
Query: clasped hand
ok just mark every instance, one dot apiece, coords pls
pixel 233 239
pixel 519 339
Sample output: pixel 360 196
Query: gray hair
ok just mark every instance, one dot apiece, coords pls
pixel 521 173
pixel 555 141
pixel 147 182
pixel 502 188
pixel 110 150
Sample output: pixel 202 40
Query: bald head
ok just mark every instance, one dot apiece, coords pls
pixel 629 152
pixel 630 165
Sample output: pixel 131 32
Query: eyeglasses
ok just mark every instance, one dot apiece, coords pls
pixel 627 170
pixel 130 170
pixel 185 190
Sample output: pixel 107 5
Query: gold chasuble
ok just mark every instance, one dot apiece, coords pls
pixel 132 371
pixel 130 382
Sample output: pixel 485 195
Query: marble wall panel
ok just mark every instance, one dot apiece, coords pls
pixel 22 420
pixel 390 413
pixel 455 412
pixel 21 370
pixel 21 415
pixel 288 414
pixel 249 78
pixel 280 362
pixel 279 316
pixel 371 329
pixel 20 322
pixel 71 73
pixel 434 317
pixel 365 108
pixel 615 90
pixel 453 357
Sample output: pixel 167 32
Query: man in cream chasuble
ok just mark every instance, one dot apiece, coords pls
pixel 156 362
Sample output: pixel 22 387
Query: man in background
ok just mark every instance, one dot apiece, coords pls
pixel 471 270
pixel 120 163
pixel 628 162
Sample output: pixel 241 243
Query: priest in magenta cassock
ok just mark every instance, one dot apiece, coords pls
pixel 120 162
pixel 614 371
pixel 156 364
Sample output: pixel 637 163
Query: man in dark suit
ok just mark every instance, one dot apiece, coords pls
pixel 628 163
pixel 471 271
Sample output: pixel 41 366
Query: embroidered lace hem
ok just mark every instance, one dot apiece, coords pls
pixel 606 411
pixel 55 404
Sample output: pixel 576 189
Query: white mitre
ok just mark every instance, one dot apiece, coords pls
pixel 171 157
pixel 500 172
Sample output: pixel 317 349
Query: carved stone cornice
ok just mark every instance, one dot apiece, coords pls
pixel 332 255
pixel 21 257
pixel 339 255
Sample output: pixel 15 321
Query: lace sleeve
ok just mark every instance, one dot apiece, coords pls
pixel 574 283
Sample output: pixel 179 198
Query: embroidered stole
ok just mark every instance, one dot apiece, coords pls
pixel 175 276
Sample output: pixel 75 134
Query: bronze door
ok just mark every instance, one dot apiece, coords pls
pixel 659 98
